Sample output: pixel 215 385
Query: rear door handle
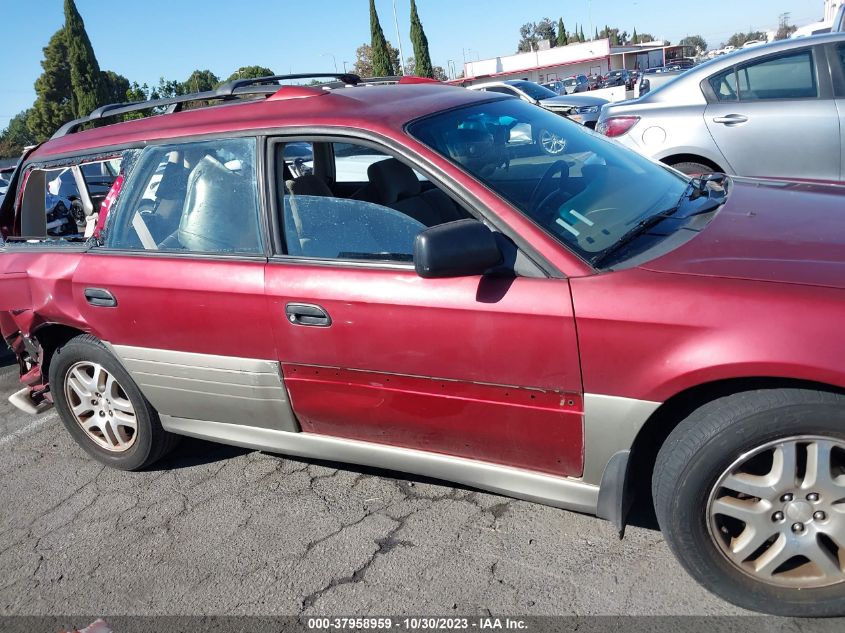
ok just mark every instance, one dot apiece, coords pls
pixel 307 314
pixel 729 119
pixel 100 297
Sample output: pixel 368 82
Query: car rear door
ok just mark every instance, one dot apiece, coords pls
pixel 479 367
pixel 836 57
pixel 775 116
pixel 177 289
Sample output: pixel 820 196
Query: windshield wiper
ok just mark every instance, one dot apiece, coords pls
pixel 696 188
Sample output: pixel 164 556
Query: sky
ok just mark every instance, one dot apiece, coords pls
pixel 170 38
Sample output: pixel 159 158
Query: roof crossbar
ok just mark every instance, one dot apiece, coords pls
pixel 227 91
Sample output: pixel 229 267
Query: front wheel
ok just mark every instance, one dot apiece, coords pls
pixel 102 407
pixel 749 492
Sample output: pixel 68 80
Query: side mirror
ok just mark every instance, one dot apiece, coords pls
pixel 456 249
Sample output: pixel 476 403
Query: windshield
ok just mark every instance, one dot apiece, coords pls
pixel 535 91
pixel 582 188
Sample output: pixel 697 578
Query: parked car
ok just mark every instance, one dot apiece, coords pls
pixel 651 81
pixel 618 78
pixel 769 110
pixel 576 83
pixel 594 81
pixel 583 109
pixel 5 178
pixel 566 329
pixel 555 86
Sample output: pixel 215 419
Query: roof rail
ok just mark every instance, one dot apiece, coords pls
pixel 227 91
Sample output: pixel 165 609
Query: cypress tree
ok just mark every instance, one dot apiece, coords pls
pixel 597 32
pixel 561 33
pixel 422 57
pixel 583 39
pixel 88 90
pixel 382 66
pixel 634 36
pixel 53 103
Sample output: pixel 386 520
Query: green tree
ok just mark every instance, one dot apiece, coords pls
pixel 53 103
pixel 562 40
pixel 785 29
pixel 16 136
pixel 696 42
pixel 597 33
pixel 116 86
pixel 634 39
pixel 581 35
pixel 198 81
pixel 527 38
pixel 250 72
pixel 423 67
pixel 545 30
pixel 364 60
pixel 738 39
pixel 88 90
pixel 382 64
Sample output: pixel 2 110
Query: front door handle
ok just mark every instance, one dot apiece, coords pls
pixel 100 297
pixel 730 119
pixel 307 314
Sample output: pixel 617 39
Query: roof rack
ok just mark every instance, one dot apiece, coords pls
pixel 227 91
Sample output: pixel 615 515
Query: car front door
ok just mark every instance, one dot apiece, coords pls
pixel 480 367
pixel 776 117
pixel 177 288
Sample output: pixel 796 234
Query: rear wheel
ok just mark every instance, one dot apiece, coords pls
pixel 749 491
pixel 102 407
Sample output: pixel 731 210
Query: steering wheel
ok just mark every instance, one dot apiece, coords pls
pixel 559 166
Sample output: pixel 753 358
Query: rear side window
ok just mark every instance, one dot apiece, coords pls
pixel 789 76
pixel 786 77
pixel 195 197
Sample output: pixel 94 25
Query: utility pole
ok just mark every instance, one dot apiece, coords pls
pixel 399 40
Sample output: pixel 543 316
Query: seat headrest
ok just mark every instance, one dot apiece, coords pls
pixel 218 211
pixel 393 180
pixel 309 185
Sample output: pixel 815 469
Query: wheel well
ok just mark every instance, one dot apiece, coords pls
pixel 691 158
pixel 672 412
pixel 51 337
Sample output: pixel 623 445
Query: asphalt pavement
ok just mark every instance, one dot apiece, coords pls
pixel 221 530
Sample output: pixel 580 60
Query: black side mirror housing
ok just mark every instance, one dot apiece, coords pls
pixel 462 248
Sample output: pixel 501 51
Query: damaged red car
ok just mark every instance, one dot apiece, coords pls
pixel 400 276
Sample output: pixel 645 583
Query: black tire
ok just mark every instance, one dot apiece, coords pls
pixel 691 168
pixel 690 462
pixel 151 443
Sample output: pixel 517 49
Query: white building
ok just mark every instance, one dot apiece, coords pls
pixel 596 57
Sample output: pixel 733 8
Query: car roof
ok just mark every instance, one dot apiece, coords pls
pixel 695 75
pixel 385 109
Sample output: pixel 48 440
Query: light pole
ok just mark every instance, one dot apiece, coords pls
pixel 399 39
pixel 344 66
pixel 334 59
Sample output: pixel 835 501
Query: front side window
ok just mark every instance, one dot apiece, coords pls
pixel 372 210
pixel 583 189
pixel 786 77
pixel 194 197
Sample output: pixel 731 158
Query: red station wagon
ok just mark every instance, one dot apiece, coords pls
pixel 399 276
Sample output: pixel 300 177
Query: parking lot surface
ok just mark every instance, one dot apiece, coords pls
pixel 221 530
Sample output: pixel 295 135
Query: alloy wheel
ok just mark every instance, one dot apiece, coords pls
pixel 101 407
pixel 778 512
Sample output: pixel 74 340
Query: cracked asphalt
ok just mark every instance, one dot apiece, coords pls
pixel 220 530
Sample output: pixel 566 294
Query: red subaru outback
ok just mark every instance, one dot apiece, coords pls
pixel 400 276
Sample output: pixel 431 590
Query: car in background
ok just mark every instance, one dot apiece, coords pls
pixel 649 81
pixel 594 81
pixel 752 43
pixel 555 86
pixel 576 83
pixel 767 111
pixel 619 78
pixel 583 109
pixel 5 179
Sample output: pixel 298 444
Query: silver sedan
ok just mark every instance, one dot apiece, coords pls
pixel 772 110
